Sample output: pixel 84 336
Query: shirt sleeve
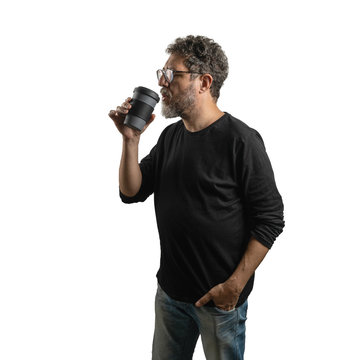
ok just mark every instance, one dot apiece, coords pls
pixel 146 165
pixel 263 201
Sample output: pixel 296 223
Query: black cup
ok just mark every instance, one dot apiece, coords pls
pixel 142 106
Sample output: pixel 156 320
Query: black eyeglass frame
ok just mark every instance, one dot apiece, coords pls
pixel 162 72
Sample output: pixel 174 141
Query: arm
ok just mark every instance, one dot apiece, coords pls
pixel 254 255
pixel 265 208
pixel 259 192
pixel 130 172
pixel 226 295
pixel 130 176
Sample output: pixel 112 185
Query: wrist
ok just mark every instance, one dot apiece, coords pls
pixel 131 141
pixel 235 284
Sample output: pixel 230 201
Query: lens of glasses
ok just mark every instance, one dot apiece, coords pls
pixel 159 74
pixel 168 74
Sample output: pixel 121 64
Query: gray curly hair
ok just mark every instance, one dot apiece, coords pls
pixel 205 56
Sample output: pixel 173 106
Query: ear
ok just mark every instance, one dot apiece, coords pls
pixel 206 81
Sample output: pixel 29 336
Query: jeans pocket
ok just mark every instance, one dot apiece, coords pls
pixel 224 311
pixel 243 311
pixel 162 295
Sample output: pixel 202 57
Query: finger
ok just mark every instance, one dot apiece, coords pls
pixel 124 108
pixel 121 108
pixel 204 300
pixel 152 117
pixel 126 104
pixel 112 114
pixel 117 117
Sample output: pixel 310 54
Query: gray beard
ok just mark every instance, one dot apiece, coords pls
pixel 179 105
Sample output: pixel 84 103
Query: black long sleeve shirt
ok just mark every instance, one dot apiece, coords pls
pixel 213 189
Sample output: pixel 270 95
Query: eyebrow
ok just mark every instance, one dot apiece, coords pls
pixel 171 68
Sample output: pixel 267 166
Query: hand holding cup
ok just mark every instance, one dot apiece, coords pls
pixel 119 115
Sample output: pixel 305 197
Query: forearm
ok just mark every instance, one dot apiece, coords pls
pixel 130 176
pixel 251 259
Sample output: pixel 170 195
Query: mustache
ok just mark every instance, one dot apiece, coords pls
pixel 165 92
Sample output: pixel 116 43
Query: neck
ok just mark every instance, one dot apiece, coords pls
pixel 201 117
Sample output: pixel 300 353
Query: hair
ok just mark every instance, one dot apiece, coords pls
pixel 205 56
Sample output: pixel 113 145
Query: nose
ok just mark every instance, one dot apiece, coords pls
pixel 162 81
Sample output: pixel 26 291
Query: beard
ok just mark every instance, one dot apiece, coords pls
pixel 178 104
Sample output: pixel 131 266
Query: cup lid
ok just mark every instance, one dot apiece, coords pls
pixel 146 91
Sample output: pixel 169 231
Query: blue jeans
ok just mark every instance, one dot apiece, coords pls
pixel 179 324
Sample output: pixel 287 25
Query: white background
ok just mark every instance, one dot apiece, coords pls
pixel 77 266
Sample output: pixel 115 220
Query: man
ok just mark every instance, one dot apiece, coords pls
pixel 217 206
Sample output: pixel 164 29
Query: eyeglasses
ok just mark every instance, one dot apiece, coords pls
pixel 169 74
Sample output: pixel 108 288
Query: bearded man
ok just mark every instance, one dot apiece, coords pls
pixel 217 206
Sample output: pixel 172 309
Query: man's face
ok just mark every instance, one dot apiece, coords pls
pixel 179 97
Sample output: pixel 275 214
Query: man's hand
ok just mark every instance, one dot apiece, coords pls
pixel 118 116
pixel 225 296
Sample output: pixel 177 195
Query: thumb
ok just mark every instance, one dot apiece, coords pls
pixel 204 300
